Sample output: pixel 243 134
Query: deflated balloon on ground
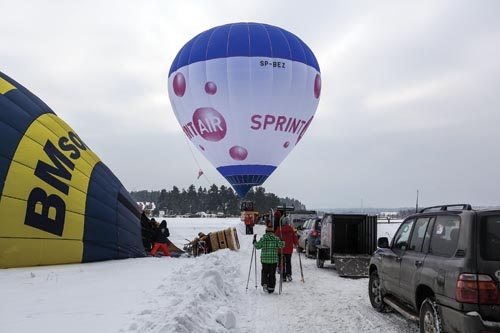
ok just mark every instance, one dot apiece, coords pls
pixel 58 202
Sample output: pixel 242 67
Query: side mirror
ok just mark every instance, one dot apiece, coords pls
pixel 383 242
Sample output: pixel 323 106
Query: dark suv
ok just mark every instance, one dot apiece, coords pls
pixel 442 269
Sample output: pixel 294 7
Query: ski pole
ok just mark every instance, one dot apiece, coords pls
pixel 281 257
pixel 281 274
pixel 250 268
pixel 255 261
pixel 301 271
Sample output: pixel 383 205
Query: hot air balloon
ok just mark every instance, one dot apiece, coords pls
pixel 245 94
pixel 58 202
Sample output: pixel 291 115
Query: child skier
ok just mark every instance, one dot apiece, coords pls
pixel 269 244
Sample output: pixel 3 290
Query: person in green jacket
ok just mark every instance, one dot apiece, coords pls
pixel 269 244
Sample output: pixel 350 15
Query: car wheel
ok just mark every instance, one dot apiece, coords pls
pixel 319 262
pixel 375 293
pixel 430 320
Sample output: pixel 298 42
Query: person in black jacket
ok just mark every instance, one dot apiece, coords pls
pixel 147 232
pixel 160 239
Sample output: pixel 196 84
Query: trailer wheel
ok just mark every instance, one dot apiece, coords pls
pixel 319 262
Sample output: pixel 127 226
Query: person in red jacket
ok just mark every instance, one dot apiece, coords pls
pixel 287 234
pixel 276 219
pixel 249 224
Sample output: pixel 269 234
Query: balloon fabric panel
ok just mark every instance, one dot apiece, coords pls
pixel 117 235
pixel 263 38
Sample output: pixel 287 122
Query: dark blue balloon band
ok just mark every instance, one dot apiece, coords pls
pixel 254 169
pixel 244 40
pixel 243 177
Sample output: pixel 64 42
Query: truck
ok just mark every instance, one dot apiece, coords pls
pixel 248 215
pixel 348 241
pixel 246 208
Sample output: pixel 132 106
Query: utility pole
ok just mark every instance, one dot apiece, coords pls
pixel 416 206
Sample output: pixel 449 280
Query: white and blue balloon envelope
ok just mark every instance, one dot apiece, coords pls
pixel 245 94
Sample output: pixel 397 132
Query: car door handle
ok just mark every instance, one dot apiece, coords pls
pixel 398 259
pixel 418 263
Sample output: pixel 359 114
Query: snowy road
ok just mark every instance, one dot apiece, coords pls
pixel 325 302
pixel 185 295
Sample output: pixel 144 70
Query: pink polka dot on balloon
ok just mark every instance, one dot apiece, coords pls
pixel 210 88
pixel 286 144
pixel 179 84
pixel 201 147
pixel 238 153
pixel 317 86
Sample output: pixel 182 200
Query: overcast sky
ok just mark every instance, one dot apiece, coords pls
pixel 410 92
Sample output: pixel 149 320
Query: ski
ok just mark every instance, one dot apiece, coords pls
pixel 301 271
pixel 255 261
pixel 250 268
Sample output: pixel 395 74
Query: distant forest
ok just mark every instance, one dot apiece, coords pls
pixel 214 200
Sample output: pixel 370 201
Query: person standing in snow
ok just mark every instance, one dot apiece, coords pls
pixel 288 235
pixel 269 244
pixel 160 239
pixel 147 231
pixel 277 219
pixel 249 224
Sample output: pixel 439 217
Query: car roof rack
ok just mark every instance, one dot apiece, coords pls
pixel 285 208
pixel 447 207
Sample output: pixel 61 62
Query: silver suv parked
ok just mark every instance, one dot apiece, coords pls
pixel 442 269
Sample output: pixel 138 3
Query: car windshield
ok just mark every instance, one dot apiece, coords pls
pixel 490 238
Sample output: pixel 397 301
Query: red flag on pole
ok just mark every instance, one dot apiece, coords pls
pixel 200 173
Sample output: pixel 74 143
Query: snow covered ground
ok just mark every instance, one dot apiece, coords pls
pixel 203 294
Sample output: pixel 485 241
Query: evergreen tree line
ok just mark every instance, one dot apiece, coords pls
pixel 216 199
